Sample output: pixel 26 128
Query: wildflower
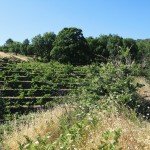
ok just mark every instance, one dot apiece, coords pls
pixel 48 137
pixel 37 142
pixel 90 118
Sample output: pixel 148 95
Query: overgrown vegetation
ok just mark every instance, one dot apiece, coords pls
pixel 94 97
pixel 103 96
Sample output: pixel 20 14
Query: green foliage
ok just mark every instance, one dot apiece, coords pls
pixel 43 45
pixel 98 48
pixel 38 44
pixel 96 80
pixel 41 83
pixel 9 42
pixel 24 47
pixel 114 42
pixel 49 39
pixel 21 95
pixel 131 44
pixel 99 79
pixel 93 88
pixel 102 87
pixel 110 140
pixel 71 47
pixel 2 108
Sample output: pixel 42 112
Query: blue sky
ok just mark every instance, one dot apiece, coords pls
pixel 21 19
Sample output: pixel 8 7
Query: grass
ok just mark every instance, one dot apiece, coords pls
pixel 134 132
pixel 133 136
pixel 14 56
pixel 40 123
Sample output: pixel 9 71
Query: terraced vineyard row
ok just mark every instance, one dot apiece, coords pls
pixel 28 86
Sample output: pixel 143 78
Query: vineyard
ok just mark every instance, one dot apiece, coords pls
pixel 30 86
pixel 26 86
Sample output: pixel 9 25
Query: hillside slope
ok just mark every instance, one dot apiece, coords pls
pixel 12 55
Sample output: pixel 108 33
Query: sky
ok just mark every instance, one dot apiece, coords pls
pixel 21 19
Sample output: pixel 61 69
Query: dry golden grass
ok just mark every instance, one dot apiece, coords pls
pixel 42 123
pixel 135 134
pixel 133 137
pixel 12 55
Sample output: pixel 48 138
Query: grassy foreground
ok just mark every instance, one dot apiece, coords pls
pixel 97 130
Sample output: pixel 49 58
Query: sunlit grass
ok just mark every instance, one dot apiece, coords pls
pixel 40 123
pixel 134 135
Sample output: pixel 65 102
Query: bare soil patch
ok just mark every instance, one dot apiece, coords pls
pixel 14 56
pixel 145 90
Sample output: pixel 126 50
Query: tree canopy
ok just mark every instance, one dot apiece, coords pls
pixel 70 46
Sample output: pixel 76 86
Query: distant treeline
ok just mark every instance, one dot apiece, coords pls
pixel 70 46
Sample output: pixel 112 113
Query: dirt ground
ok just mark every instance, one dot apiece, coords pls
pixel 145 90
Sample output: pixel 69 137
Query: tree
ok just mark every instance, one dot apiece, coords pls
pixel 93 44
pixel 143 55
pixel 114 44
pixel 24 47
pixel 9 42
pixel 38 44
pixel 30 50
pixel 131 44
pixel 98 48
pixel 15 47
pixel 26 42
pixel 70 46
pixel 101 51
pixel 49 38
pixel 8 45
pixel 43 45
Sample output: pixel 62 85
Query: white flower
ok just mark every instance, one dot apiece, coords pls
pixel 48 137
pixel 90 118
pixel 37 142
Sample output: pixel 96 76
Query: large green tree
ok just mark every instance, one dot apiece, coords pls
pixel 143 55
pixel 93 44
pixel 8 45
pixel 98 48
pixel 131 44
pixel 43 45
pixel 8 42
pixel 70 46
pixel 101 51
pixel 38 44
pixel 15 47
pixel 113 45
pixel 24 47
pixel 49 38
